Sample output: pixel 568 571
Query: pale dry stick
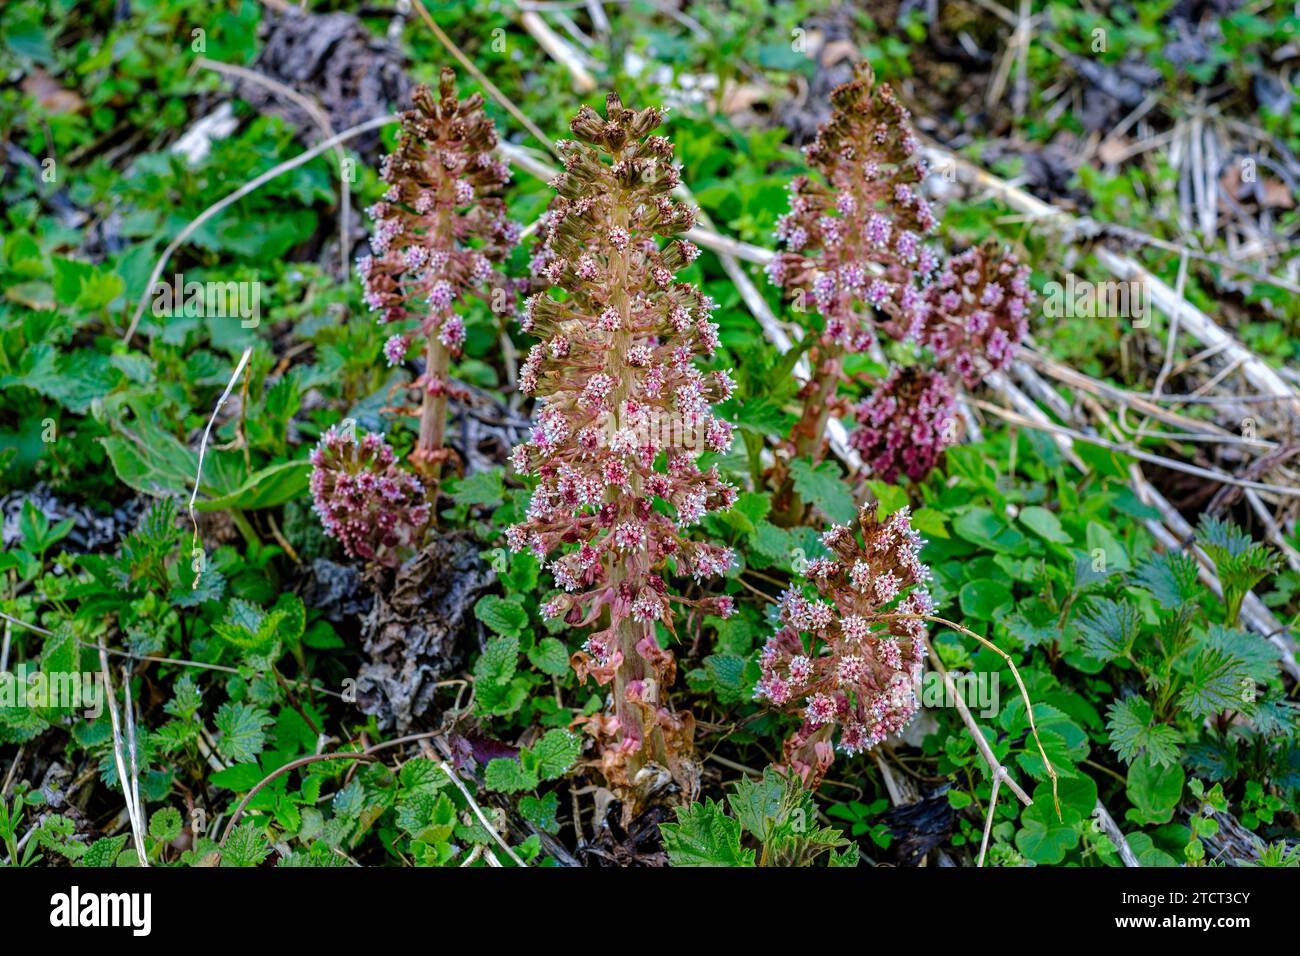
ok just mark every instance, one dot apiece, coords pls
pixel 137 830
pixel 4 648
pixel 478 74
pixel 322 120
pixel 1197 324
pixel 580 36
pixel 997 771
pixel 1172 340
pixel 249 187
pixel 128 711
pixel 198 665
pixel 1171 463
pixel 988 820
pixel 1015 673
pixel 596 10
pixel 203 447
pixel 1125 399
pixel 31 627
pixel 1025 33
pixel 478 812
pixel 1112 830
pixel 210 755
pixel 558 50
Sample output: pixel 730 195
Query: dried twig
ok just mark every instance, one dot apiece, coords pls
pixel 123 778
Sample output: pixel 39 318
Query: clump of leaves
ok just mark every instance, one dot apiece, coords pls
pixel 775 814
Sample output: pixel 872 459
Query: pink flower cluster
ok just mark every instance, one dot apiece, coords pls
pixel 623 415
pixel 376 510
pixel 854 242
pixel 905 423
pixel 840 659
pixel 441 226
pixel 979 312
pixel 854 237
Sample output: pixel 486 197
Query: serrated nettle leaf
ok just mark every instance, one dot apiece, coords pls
pixel 497 663
pixel 1108 629
pixel 550 656
pixel 241 730
pixel 502 616
pixel 822 486
pixel 556 753
pixel 705 836
pixel 541 811
pixel 1219 681
pixel 1171 577
pixel 165 824
pixel 727 672
pixel 484 488
pixel 1134 732
pixel 508 775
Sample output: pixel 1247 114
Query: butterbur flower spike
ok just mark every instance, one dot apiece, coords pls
pixel 440 229
pixel 976 316
pixel 905 423
pixel 978 312
pixel 854 240
pixel 623 414
pixel 840 659
pixel 376 510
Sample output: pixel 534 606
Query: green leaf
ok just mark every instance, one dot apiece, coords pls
pixel 485 488
pixel 241 731
pixel 556 752
pixel 822 486
pixel 1044 523
pixel 1107 629
pixel 508 775
pixel 165 824
pixel 239 778
pixel 1154 791
pixel 246 847
pixel 983 599
pixel 502 616
pixel 1219 681
pixel 103 852
pixel 759 805
pixel 497 663
pixel 889 498
pixel 1134 732
pixel 981 526
pixel 1101 539
pixel 1042 837
pixel 727 672
pixel 1171 577
pixel 421 773
pixel 705 836
pixel 550 656
pixel 541 811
